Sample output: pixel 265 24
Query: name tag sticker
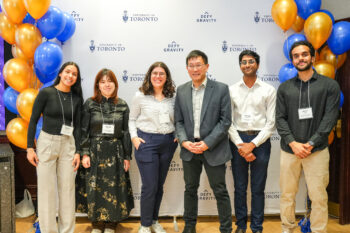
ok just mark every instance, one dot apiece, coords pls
pixel 305 113
pixel 247 118
pixel 164 117
pixel 107 128
pixel 67 130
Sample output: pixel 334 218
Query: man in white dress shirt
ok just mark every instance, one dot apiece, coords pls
pixel 253 122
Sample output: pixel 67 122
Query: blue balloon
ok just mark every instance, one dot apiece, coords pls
pixel 307 7
pixel 28 19
pixel 69 29
pixel 341 100
pixel 48 84
pixel 10 97
pixel 339 40
pixel 48 57
pixel 290 41
pixel 329 14
pixel 45 78
pixel 52 23
pixel 287 72
pixel 39 125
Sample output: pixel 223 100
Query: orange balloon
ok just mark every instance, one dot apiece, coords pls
pixel 338 128
pixel 298 25
pixel 28 38
pixel 317 28
pixel 17 74
pixel 7 29
pixel 324 68
pixel 330 137
pixel 15 10
pixel 16 131
pixel 37 8
pixel 25 101
pixel 34 81
pixel 284 13
pixel 327 55
pixel 317 56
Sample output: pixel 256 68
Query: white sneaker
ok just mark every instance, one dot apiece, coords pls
pixel 157 228
pixel 109 230
pixel 143 229
pixel 96 231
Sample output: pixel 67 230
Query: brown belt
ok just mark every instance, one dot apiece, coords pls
pixel 250 132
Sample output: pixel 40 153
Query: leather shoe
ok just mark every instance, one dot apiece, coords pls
pixel 240 230
pixel 189 229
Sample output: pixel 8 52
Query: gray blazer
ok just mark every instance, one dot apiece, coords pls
pixel 215 121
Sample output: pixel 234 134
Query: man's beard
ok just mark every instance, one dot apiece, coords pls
pixel 305 68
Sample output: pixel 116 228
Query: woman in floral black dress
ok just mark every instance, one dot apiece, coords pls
pixel 106 150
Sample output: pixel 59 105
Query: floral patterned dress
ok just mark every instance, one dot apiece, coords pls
pixel 104 190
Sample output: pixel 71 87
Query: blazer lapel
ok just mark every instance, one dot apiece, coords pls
pixel 188 98
pixel 207 96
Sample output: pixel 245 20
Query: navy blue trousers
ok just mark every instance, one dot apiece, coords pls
pixel 258 175
pixel 153 159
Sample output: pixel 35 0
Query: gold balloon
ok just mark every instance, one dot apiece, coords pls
pixel 327 55
pixel 317 56
pixel 7 29
pixel 298 25
pixel 34 81
pixel 28 38
pixel 15 10
pixel 284 13
pixel 37 8
pixel 330 137
pixel 17 52
pixel 338 128
pixel 16 131
pixel 25 101
pixel 17 74
pixel 324 68
pixel 317 28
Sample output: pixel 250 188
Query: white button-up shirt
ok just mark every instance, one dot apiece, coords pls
pixel 145 115
pixel 252 109
pixel 197 102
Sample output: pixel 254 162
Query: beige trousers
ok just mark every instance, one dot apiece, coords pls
pixel 316 170
pixel 55 169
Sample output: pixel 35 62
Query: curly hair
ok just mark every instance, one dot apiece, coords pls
pixel 169 86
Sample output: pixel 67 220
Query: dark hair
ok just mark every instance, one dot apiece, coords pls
pixel 97 92
pixel 197 53
pixel 76 88
pixel 248 52
pixel 302 42
pixel 169 86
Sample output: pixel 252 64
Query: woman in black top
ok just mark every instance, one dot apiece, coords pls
pixel 57 151
pixel 106 150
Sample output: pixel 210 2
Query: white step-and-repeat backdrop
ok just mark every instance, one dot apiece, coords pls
pixel 128 36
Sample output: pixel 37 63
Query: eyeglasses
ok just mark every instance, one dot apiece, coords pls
pixel 245 62
pixel 197 66
pixel 160 74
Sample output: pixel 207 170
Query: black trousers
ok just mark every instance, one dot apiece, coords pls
pixel 216 177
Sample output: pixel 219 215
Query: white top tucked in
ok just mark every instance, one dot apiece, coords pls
pixel 151 115
pixel 252 109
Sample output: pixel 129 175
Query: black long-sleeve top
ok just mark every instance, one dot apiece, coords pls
pixel 47 103
pixel 92 121
pixel 324 99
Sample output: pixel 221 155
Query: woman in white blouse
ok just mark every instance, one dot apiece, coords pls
pixel 151 126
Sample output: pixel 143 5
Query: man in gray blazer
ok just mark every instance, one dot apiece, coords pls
pixel 202 118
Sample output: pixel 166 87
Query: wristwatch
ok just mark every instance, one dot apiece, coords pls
pixel 311 143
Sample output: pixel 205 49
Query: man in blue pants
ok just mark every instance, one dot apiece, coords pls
pixel 253 122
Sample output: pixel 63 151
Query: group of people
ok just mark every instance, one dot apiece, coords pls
pixel 211 122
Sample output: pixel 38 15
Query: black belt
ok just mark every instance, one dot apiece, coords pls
pixel 250 132
pixel 197 140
